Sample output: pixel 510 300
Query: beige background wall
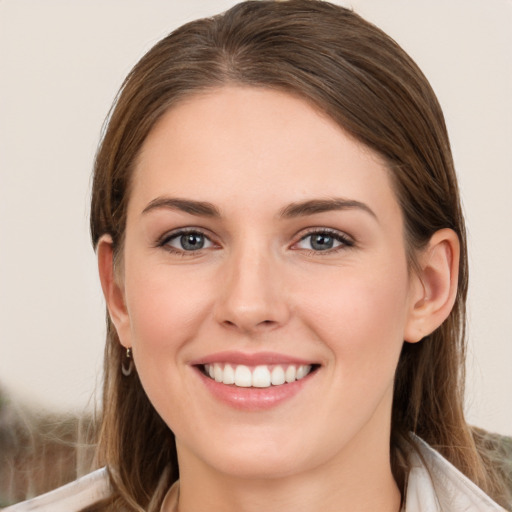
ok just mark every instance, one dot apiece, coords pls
pixel 61 63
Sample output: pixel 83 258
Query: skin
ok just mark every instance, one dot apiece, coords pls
pixel 259 285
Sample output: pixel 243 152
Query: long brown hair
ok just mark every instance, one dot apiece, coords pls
pixel 363 80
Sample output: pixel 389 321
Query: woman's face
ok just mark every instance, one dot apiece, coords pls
pixel 264 245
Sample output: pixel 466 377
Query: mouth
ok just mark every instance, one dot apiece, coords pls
pixel 259 376
pixel 255 382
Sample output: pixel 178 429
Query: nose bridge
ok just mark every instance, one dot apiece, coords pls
pixel 252 296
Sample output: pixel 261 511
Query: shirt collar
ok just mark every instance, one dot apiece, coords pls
pixel 435 485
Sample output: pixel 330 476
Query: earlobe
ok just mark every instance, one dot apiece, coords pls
pixel 435 285
pixel 113 290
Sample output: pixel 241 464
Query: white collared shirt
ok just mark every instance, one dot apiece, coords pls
pixel 433 485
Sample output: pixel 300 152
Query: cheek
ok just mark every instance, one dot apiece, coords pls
pixel 361 316
pixel 361 320
pixel 165 310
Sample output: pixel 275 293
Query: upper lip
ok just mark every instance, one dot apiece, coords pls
pixel 254 359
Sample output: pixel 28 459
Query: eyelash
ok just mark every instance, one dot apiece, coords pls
pixel 344 240
pixel 163 242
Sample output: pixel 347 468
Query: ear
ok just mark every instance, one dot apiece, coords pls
pixel 434 286
pixel 113 290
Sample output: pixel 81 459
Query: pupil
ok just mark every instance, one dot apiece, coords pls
pixel 322 242
pixel 192 241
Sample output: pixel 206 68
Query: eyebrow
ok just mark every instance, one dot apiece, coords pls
pixel 293 210
pixel 314 206
pixel 199 208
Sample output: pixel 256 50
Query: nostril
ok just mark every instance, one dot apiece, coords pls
pixel 256 326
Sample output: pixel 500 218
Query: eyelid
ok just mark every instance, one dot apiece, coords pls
pixel 346 240
pixel 164 239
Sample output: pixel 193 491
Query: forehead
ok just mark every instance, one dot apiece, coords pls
pixel 256 144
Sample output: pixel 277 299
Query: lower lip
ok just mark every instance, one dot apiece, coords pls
pixel 253 399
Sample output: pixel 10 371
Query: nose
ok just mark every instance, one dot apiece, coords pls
pixel 253 297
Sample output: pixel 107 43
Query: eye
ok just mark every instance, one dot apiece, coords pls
pixel 187 241
pixel 324 240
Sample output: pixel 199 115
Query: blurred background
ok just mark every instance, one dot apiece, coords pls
pixel 61 64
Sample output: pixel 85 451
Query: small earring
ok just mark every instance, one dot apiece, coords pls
pixel 127 364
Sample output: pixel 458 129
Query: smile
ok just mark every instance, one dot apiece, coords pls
pixel 261 376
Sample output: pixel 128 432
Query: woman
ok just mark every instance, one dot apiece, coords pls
pixel 282 252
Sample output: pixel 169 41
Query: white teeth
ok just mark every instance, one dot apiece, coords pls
pixel 278 376
pixel 258 377
pixel 261 377
pixel 243 376
pixel 218 373
pixel 303 370
pixel 229 375
pixel 290 374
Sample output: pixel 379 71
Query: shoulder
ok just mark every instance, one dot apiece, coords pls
pixel 73 497
pixel 434 484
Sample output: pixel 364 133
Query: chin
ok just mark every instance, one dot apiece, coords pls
pixel 260 466
pixel 260 456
